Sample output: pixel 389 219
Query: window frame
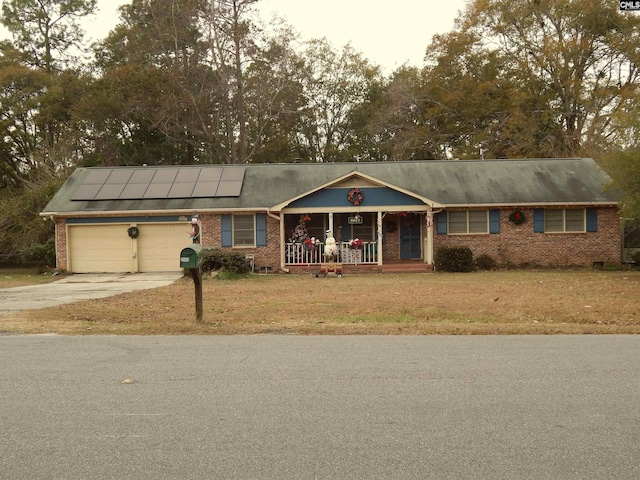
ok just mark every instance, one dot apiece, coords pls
pixel 234 217
pixel 564 221
pixel 487 222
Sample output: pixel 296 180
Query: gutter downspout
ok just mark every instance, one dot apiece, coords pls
pixel 281 221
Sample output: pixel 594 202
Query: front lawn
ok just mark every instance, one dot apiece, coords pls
pixel 509 302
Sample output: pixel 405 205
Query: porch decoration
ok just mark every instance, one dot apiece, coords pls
pixel 310 244
pixel 517 217
pixel 330 246
pixel 133 232
pixel 299 234
pixel 355 196
pixel 356 243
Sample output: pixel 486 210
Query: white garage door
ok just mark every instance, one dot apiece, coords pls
pixel 99 248
pixel 159 246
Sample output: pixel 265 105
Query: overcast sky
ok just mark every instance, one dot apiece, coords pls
pixel 388 33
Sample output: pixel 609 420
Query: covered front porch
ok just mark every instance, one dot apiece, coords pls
pixel 348 253
pixel 361 239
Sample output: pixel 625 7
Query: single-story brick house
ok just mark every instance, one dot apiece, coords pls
pixel 551 212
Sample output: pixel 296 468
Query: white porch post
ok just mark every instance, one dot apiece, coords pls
pixel 283 243
pixel 379 239
pixel 429 243
pixel 331 224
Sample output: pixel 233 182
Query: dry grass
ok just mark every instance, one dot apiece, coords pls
pixel 512 302
pixel 19 277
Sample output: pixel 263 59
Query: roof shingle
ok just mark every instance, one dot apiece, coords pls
pixel 448 183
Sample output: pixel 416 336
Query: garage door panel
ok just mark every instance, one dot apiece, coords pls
pixel 100 248
pixel 159 246
pixel 108 248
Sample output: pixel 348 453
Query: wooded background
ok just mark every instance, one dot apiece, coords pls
pixel 205 81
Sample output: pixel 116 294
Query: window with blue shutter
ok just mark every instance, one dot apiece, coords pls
pixel 592 219
pixel 227 232
pixel 441 223
pixel 494 221
pixel 538 220
pixel 261 230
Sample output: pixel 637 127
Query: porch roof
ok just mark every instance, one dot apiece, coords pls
pixel 448 183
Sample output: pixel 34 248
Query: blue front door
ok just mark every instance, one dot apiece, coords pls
pixel 410 236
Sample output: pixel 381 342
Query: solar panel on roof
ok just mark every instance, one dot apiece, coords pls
pixel 232 173
pixel 136 183
pixel 188 175
pixel 86 192
pixel 229 189
pixel 181 190
pixel 165 176
pixel 119 177
pixel 205 190
pixel 109 192
pixel 210 174
pixel 133 191
pixel 157 190
pixel 97 177
pixel 143 176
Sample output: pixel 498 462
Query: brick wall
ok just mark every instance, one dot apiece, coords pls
pixel 515 244
pixel 61 243
pixel 269 256
pixel 518 244
pixel 391 240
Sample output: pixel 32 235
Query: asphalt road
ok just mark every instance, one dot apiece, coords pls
pixel 285 407
pixel 80 287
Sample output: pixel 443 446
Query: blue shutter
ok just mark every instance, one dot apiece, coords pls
pixel 441 223
pixel 261 230
pixel 538 220
pixel 494 221
pixel 227 233
pixel 592 219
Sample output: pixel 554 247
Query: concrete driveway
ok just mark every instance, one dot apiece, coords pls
pixel 80 287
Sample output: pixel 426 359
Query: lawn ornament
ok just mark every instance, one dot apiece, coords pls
pixel 330 247
pixel 330 253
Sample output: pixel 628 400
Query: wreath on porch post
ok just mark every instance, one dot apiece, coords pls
pixel 355 196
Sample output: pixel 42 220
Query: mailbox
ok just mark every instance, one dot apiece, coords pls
pixel 192 257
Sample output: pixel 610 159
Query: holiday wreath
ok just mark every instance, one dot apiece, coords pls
pixel 355 196
pixel 517 217
pixel 133 232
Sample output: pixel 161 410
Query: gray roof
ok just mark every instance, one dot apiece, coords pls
pixel 446 183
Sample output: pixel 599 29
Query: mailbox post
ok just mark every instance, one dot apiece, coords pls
pixel 192 258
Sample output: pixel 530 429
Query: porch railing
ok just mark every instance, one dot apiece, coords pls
pixel 298 254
